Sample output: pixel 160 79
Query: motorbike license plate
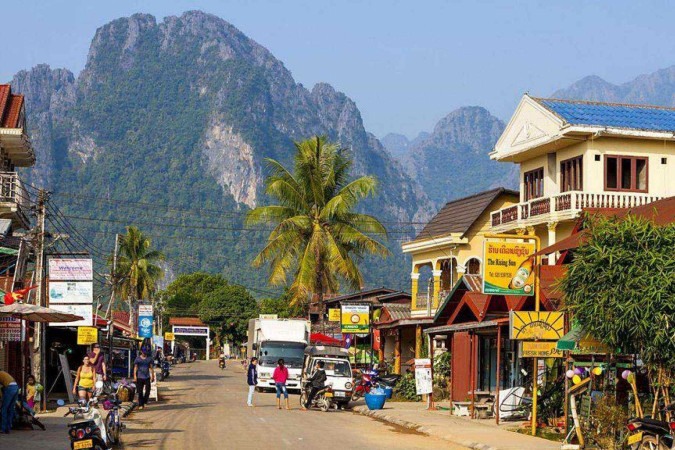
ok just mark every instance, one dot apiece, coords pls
pixel 89 443
pixel 329 394
pixel 635 438
pixel 339 394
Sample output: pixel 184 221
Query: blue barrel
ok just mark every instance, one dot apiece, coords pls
pixel 388 391
pixel 375 401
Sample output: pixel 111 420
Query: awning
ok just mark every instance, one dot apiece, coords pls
pixel 466 326
pixel 571 339
pixel 579 341
pixel 568 243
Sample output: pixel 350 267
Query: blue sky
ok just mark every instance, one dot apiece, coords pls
pixel 405 63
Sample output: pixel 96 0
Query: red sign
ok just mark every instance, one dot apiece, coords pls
pixel 376 340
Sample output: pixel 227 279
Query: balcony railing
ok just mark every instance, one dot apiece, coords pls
pixel 421 301
pixel 565 205
pixel 12 192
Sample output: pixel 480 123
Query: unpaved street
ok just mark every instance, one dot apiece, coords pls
pixel 203 407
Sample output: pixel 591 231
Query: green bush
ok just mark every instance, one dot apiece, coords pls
pixel 405 390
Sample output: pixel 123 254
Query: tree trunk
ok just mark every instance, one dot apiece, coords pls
pixel 133 320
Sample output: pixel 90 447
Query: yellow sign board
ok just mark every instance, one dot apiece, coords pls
pixel 334 315
pixel 508 268
pixel 535 326
pixel 168 336
pixel 355 319
pixel 590 346
pixel 541 349
pixel 87 335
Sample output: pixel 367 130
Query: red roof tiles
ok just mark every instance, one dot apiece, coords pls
pixel 186 322
pixel 11 106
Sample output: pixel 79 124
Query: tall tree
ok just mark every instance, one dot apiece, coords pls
pixel 137 270
pixel 229 308
pixel 318 237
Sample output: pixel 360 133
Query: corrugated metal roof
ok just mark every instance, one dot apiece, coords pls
pixel 615 115
pixel 397 311
pixel 457 216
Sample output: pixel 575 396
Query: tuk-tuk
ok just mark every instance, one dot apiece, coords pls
pixel 338 370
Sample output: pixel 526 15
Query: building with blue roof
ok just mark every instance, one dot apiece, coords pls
pixel 577 154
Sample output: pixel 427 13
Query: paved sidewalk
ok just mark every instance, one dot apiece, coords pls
pixel 475 434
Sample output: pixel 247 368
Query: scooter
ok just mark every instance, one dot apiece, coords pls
pixel 324 399
pixel 221 363
pixel 164 369
pixel 364 385
pixel 88 429
pixel 651 433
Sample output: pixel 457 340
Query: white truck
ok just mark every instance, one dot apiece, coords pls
pixel 272 339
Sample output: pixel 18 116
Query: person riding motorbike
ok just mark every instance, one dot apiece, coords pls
pixel 317 382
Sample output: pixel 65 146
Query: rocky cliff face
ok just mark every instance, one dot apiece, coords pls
pixel 657 88
pixel 453 160
pixel 184 112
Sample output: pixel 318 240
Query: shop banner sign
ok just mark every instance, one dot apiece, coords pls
pixel 145 326
pixel 145 309
pixel 168 336
pixel 355 319
pixel 334 315
pixel 71 292
pixel 158 341
pixel 423 380
pixel 87 335
pixel 541 349
pixel 10 329
pixel 84 311
pixel 68 269
pixel 536 326
pixel 190 331
pixel 508 268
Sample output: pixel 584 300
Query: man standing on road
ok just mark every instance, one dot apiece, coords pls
pixel 252 379
pixel 144 375
pixel 317 381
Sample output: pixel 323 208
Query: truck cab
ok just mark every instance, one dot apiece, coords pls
pixel 338 370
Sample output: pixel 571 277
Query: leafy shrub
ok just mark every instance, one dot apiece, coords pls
pixel 405 390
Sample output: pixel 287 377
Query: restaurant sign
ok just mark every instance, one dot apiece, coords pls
pixel 541 349
pixel 536 325
pixel 508 268
pixel 10 329
pixel 355 318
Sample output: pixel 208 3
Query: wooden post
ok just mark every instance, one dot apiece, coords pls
pixel 380 351
pixel 472 377
pixel 499 365
pixel 418 341
pixel 397 352
pixel 430 345
pixel 451 336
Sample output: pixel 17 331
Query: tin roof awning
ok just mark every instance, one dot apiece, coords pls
pixel 466 326
pixel 579 341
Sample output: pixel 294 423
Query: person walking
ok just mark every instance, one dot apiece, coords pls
pixel 317 382
pixel 97 360
pixel 144 375
pixel 280 376
pixel 10 393
pixel 252 379
pixel 85 380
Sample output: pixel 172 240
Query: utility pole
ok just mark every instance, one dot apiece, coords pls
pixel 108 314
pixel 39 357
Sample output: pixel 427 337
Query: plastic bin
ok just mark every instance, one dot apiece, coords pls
pixel 375 401
pixel 388 391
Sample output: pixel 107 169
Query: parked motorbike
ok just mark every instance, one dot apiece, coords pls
pixel 87 430
pixel 652 434
pixel 363 386
pixel 163 369
pixel 221 363
pixel 324 399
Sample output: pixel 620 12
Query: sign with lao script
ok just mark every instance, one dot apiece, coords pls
pixel 536 325
pixel 355 318
pixel 87 335
pixel 541 349
pixel 423 380
pixel 508 268
pixel 334 315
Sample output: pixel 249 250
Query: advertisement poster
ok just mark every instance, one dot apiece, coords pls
pixel 71 292
pixel 84 311
pixel 423 381
pixel 71 269
pixel 508 268
pixel 10 329
pixel 87 335
pixel 334 315
pixel 535 326
pixel 541 349
pixel 168 336
pixel 355 319
pixel 145 326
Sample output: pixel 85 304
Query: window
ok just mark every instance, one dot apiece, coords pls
pixel 534 184
pixel 473 267
pixel 571 175
pixel 626 173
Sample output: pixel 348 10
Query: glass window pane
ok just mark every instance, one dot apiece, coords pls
pixel 641 174
pixel 626 173
pixel 611 175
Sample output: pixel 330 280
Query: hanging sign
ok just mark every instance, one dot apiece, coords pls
pixel 168 336
pixel 535 326
pixel 10 329
pixel 423 380
pixel 84 311
pixel 145 326
pixel 87 335
pixel 541 349
pixel 334 315
pixel 69 269
pixel 508 268
pixel 355 318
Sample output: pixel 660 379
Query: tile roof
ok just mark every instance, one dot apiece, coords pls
pixel 615 115
pixel 11 106
pixel 370 295
pixel 397 311
pixel 457 216
pixel 5 91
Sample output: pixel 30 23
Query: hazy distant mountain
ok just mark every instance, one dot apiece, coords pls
pixel 399 145
pixel 657 88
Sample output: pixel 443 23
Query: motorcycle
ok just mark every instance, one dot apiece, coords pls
pixel 324 399
pixel 221 363
pixel 651 434
pixel 364 385
pixel 87 430
pixel 164 369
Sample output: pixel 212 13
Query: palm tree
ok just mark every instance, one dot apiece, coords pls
pixel 136 270
pixel 317 236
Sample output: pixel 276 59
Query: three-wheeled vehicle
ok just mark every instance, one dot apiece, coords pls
pixel 337 367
